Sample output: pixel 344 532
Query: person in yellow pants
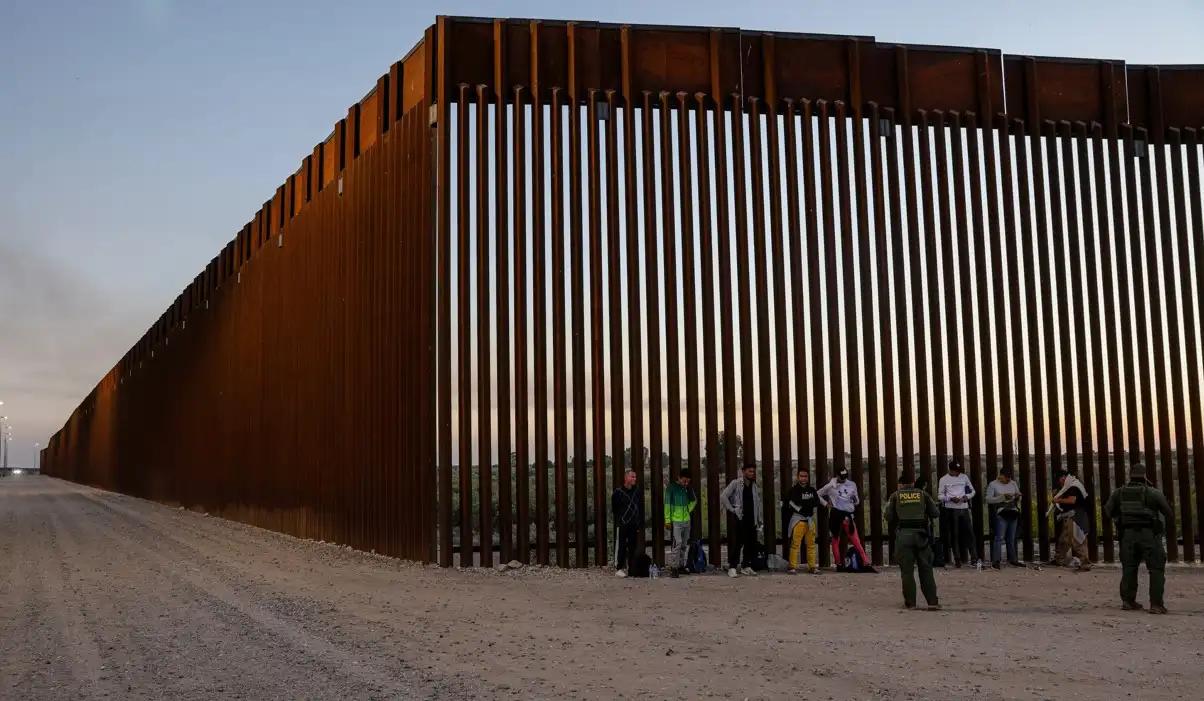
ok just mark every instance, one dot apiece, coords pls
pixel 799 511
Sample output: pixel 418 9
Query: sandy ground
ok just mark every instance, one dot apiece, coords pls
pixel 105 596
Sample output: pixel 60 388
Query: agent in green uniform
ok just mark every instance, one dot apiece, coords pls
pixel 908 512
pixel 1135 508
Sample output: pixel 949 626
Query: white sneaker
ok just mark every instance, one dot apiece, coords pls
pixel 748 572
pixel 620 573
pixel 733 573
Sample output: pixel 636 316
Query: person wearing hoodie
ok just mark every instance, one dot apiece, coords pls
pixel 1003 500
pixel 1072 509
pixel 742 499
pixel 627 507
pixel 955 492
pixel 679 504
pixel 840 497
pixel 800 521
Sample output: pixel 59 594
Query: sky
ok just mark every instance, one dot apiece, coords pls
pixel 138 136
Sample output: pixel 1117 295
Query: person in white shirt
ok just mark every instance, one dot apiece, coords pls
pixel 955 492
pixel 840 497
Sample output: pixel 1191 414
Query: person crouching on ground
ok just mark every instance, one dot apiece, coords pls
pixel 801 523
pixel 841 498
pixel 1072 510
pixel 955 492
pixel 627 507
pixel 742 499
pixel 679 504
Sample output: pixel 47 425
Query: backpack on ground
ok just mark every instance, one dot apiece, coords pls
pixel 759 557
pixel 854 563
pixel 643 563
pixel 696 558
pixel 938 551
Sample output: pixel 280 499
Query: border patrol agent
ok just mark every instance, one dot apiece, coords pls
pixel 1135 508
pixel 908 512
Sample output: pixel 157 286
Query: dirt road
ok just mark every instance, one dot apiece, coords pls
pixel 105 596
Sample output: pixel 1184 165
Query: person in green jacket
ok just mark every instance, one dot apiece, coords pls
pixel 680 501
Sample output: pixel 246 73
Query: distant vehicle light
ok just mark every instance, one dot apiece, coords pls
pixel 16 472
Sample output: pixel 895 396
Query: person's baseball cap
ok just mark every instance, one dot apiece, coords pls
pixel 1007 471
pixel 955 466
pixel 843 472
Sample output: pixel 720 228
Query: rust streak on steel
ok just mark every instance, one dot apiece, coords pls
pixel 1021 247
pixel 522 455
pixel 1107 333
pixel 484 401
pixel 777 249
pixel 1063 215
pixel 578 250
pixel 1049 366
pixel 932 238
pixel 848 235
pixel 615 314
pixel 685 166
pixel 881 266
pixel 920 401
pixel 539 302
pixel 614 281
pixel 1171 177
pixel 1058 340
pixel 834 370
pixel 669 230
pixel 597 343
pixel 1013 388
pixel 866 308
pixel 1156 155
pixel 1189 374
pixel 502 287
pixel 740 186
pixel 631 226
pixel 819 365
pixel 1080 308
pixel 765 403
pixel 950 291
pixel 1136 150
pixel 896 186
pixel 464 328
pixel 966 345
pixel 559 346
pixel 443 313
pixel 1194 166
pixel 1123 213
pixel 709 364
pixel 724 269
pixel 652 285
pixel 798 298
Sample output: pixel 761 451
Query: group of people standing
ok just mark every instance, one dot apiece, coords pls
pixel 1137 508
pixel 1139 511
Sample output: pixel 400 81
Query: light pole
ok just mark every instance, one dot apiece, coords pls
pixel 5 437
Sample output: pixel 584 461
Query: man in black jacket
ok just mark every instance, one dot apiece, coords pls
pixel 627 507
pixel 799 522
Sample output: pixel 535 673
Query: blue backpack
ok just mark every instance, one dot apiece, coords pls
pixel 696 559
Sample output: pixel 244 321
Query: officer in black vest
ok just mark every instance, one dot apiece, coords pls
pixel 1135 508
pixel 908 512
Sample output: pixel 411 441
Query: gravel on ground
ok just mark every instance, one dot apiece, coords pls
pixel 107 596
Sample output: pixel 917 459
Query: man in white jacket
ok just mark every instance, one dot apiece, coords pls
pixel 955 492
pixel 841 498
